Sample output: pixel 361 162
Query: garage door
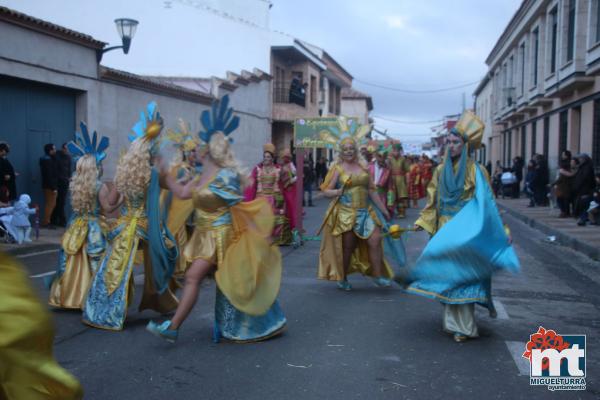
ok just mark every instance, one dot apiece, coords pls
pixel 32 115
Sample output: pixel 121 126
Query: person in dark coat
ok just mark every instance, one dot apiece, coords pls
pixel 8 182
pixel 50 173
pixel 584 183
pixel 308 180
pixel 542 177
pixel 517 169
pixel 63 159
pixel 530 181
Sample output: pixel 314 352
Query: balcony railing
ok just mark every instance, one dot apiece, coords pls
pixel 289 92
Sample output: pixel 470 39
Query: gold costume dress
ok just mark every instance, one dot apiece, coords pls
pixel 231 234
pixel 28 370
pixel 83 246
pixel 352 213
pixel 400 168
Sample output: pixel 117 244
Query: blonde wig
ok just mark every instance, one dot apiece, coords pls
pixel 83 185
pixel 134 169
pixel 220 151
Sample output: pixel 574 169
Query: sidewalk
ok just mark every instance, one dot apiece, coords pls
pixel 47 240
pixel 585 239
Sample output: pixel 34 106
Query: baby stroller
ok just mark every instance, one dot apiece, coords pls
pixel 508 179
pixel 5 237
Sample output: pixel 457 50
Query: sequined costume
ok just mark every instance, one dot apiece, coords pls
pixel 84 240
pixel 231 234
pixel 468 242
pixel 354 212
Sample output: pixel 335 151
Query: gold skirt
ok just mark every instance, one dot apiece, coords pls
pixel 209 245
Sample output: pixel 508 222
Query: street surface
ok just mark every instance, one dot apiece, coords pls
pixel 370 343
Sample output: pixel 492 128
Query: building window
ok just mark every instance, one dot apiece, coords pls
pixel 596 136
pixel 522 61
pixel 313 89
pixel 553 38
pixel 533 137
pixel 536 46
pixel 546 143
pixel 563 131
pixel 571 29
pixel 523 141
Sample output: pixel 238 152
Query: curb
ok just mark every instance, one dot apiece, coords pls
pixel 21 251
pixel 564 239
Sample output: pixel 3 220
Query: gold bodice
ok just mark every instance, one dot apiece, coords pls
pixel 268 182
pixel 356 194
pixel 209 207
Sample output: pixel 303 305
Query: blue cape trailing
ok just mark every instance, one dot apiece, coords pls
pixel 459 260
pixel 163 258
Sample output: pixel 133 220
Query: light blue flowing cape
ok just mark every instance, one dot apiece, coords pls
pixel 457 264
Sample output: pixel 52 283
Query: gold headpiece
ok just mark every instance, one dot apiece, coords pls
pixel 270 147
pixel 347 131
pixel 470 127
pixel 183 138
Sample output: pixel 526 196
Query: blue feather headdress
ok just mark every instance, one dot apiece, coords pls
pixel 149 125
pixel 84 145
pixel 219 119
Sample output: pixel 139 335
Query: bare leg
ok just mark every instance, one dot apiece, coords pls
pixel 193 277
pixel 348 245
pixel 375 252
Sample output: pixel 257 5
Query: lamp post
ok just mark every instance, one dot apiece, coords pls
pixel 126 28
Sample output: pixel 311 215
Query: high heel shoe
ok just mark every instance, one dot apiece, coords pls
pixel 163 331
pixel 344 285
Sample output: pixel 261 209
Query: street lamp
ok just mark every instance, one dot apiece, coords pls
pixel 126 28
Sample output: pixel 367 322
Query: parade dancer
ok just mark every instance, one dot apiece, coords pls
pixel 231 237
pixel 356 219
pixel 140 223
pixel 399 167
pixel 266 183
pixel 27 367
pixel 381 177
pixel 468 241
pixel 84 241
pixel 415 184
pixel 289 188
pixel 183 168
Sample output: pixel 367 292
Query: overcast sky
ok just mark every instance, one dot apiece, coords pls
pixel 404 44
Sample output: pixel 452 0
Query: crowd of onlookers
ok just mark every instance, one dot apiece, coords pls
pixel 574 190
pixel 55 170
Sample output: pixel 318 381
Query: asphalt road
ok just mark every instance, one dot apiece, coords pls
pixel 370 343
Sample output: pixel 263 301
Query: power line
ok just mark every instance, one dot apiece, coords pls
pixel 464 85
pixel 435 121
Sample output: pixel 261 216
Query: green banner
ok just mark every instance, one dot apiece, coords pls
pixel 309 132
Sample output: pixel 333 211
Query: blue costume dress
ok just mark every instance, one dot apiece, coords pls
pixel 112 286
pixel 83 246
pixel 468 244
pixel 248 268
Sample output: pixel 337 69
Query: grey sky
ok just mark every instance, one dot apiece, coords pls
pixel 406 44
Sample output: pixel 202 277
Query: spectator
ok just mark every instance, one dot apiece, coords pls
pixel 50 172
pixel 541 182
pixel 308 180
pixel 8 184
pixel 517 169
pixel 488 168
pixel 583 187
pixel 530 181
pixel 321 170
pixel 563 183
pixel 63 159
pixel 594 209
pixel 496 181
